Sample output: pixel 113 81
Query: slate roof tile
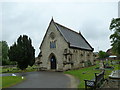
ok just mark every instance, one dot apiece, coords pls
pixel 75 39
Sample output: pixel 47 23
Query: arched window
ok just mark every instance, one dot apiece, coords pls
pixel 53 44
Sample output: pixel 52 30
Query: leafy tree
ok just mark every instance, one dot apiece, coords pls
pixel 22 52
pixel 102 54
pixel 4 47
pixel 0 53
pixel 4 60
pixel 115 37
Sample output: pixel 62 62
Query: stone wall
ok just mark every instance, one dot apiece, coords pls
pixel 67 58
pixel 58 51
pixel 80 58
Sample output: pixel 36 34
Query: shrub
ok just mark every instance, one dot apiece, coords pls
pixel 88 63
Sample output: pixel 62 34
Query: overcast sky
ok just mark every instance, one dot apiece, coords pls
pixel 92 19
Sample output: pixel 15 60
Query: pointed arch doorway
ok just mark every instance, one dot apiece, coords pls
pixel 53 62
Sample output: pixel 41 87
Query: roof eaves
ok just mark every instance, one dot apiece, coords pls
pixel 81 47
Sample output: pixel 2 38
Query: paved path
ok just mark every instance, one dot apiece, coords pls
pixel 44 80
pixel 10 74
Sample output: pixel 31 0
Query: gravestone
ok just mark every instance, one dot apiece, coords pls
pixel 115 74
pixel 101 65
pixel 111 62
pixel 106 65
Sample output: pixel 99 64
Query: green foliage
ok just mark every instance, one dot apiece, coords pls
pixel 0 52
pixel 4 49
pixel 4 54
pixel 88 63
pixel 17 70
pixel 22 52
pixel 0 69
pixel 102 54
pixel 115 37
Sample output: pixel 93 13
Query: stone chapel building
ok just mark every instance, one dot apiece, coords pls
pixel 64 49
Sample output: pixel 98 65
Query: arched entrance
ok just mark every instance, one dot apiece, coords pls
pixel 53 62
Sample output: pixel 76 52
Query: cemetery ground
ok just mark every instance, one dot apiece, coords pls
pixel 80 74
pixel 88 72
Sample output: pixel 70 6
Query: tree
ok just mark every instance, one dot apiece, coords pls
pixel 102 54
pixel 4 49
pixel 0 53
pixel 115 37
pixel 22 52
pixel 4 54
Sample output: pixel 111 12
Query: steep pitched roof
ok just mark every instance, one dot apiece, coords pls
pixel 75 40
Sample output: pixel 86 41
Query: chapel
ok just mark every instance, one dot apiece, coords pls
pixel 64 49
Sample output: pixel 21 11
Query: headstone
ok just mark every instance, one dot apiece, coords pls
pixel 101 65
pixel 107 64
pixel 111 62
pixel 115 74
pixel 106 60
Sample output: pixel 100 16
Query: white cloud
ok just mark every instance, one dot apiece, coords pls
pixel 92 19
pixel 0 21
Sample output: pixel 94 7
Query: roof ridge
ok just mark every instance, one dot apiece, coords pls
pixel 67 28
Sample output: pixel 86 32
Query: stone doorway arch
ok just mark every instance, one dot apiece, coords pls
pixel 53 62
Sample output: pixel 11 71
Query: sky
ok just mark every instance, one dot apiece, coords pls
pixel 92 19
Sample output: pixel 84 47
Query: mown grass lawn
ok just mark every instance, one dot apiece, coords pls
pixel 83 73
pixel 0 69
pixel 88 73
pixel 8 81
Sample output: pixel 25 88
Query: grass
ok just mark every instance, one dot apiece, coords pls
pixel 83 73
pixel 88 73
pixel 0 69
pixel 8 81
pixel 108 72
